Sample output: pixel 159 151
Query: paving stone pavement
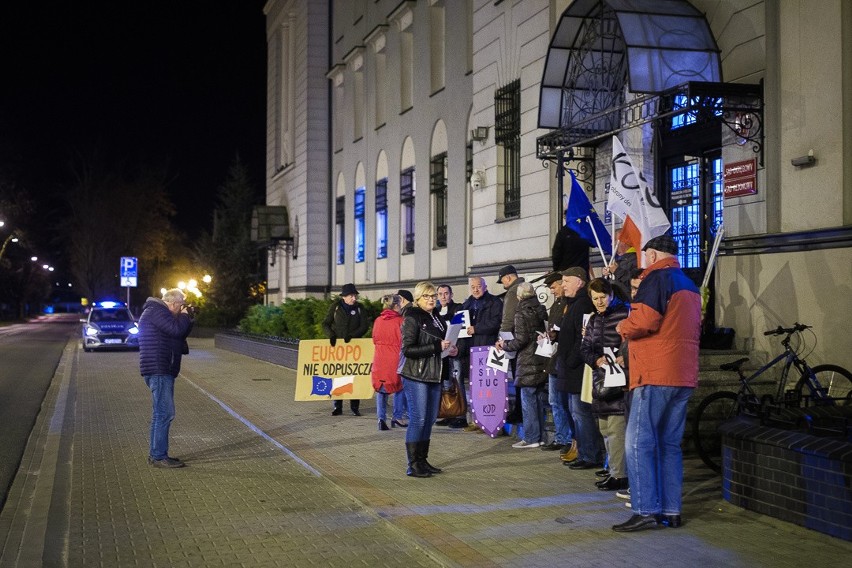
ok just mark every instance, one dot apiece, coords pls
pixel 273 482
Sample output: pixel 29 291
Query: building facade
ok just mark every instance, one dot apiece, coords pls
pixel 417 140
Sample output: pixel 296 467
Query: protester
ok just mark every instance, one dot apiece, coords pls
pixel 563 424
pixel 621 266
pixel 422 344
pixel 531 377
pixel 569 249
pixel 608 403
pixel 387 339
pixel 163 328
pixel 485 311
pixel 508 277
pixel 346 319
pixel 664 328
pixel 406 298
pixel 571 367
pixel 452 365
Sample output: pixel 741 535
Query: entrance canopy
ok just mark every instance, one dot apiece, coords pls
pixel 599 45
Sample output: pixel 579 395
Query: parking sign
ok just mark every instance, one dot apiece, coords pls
pixel 128 271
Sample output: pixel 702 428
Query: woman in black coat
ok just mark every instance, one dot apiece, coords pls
pixel 423 332
pixel 608 403
pixel 530 317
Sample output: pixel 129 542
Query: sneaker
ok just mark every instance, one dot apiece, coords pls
pixel 525 444
pixel 167 462
pixel 623 493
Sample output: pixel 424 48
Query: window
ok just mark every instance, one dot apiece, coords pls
pixel 699 107
pixel 340 221
pixel 382 218
pixel 406 200
pixel 438 188
pixel 360 226
pixel 285 86
pixel 437 39
pixel 507 126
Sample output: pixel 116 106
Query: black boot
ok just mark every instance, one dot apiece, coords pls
pixel 424 453
pixel 415 467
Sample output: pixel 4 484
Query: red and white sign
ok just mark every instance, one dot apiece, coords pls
pixel 740 178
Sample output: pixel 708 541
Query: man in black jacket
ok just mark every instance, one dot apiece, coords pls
pixel 571 366
pixel 453 368
pixel 345 319
pixel 163 328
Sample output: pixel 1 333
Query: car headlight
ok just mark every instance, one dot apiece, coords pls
pixel 90 331
pixel 133 330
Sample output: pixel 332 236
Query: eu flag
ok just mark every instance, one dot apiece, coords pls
pixel 579 208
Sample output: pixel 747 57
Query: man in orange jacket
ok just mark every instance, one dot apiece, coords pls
pixel 663 328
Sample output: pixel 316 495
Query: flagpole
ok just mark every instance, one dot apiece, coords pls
pixel 719 232
pixel 597 240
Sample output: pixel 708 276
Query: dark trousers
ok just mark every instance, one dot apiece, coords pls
pixel 354 404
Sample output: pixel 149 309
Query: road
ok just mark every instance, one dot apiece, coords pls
pixel 29 354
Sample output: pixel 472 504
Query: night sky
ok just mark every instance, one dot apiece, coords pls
pixel 139 80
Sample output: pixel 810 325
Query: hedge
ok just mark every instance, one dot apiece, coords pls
pixel 298 318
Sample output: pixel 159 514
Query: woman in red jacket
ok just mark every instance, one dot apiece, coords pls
pixel 387 339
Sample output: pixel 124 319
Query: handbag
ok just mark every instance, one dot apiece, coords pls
pixel 452 403
pixel 184 349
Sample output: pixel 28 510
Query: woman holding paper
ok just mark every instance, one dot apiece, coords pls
pixel 608 402
pixel 423 332
pixel 531 379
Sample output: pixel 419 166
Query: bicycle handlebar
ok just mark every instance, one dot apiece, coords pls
pixel 787 330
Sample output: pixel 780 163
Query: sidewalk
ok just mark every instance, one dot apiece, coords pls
pixel 273 482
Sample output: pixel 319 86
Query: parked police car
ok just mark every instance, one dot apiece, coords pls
pixel 110 325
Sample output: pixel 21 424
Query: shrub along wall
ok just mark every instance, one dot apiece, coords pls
pixel 298 318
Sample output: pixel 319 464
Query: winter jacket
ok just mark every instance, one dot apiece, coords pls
pixel 387 339
pixel 344 321
pixel 529 319
pixel 161 337
pixel 570 363
pixel 422 333
pixel 554 318
pixel 664 328
pixel 569 249
pixel 485 315
pixel 600 333
pixel 510 305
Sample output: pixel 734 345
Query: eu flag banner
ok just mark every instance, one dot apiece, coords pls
pixel 579 208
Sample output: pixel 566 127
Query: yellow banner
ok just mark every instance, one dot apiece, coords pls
pixel 330 373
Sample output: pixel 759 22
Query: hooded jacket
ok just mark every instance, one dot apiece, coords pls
pixel 664 328
pixel 161 337
pixel 600 333
pixel 529 319
pixel 387 339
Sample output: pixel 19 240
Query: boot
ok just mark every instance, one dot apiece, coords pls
pixel 415 467
pixel 424 453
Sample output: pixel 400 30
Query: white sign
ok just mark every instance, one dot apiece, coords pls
pixel 615 376
pixel 497 359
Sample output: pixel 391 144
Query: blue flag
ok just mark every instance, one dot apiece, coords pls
pixel 579 208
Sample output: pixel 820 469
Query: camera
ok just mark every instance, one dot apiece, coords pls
pixel 191 309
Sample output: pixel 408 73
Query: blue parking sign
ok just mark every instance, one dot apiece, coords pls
pixel 128 271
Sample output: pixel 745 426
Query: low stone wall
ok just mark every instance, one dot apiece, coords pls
pixel 791 475
pixel 279 352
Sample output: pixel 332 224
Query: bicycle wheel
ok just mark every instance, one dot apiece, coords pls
pixel 836 380
pixel 711 412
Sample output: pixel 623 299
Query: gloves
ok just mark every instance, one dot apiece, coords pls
pixel 347 339
pixel 332 340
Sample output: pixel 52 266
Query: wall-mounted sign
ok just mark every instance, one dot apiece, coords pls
pixel 740 178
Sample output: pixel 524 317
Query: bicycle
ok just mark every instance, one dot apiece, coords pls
pixel 827 384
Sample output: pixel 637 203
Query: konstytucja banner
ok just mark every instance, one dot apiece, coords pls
pixel 489 401
pixel 328 373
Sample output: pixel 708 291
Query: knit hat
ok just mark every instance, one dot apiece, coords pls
pixel 405 294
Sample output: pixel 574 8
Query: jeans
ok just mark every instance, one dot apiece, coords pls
pixel 563 423
pixel 590 446
pixel 382 402
pixel 652 446
pixel 423 401
pixel 163 404
pixel 533 400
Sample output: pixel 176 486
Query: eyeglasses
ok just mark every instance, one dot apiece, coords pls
pixel 430 296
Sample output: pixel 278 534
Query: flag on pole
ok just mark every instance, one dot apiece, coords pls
pixel 579 208
pixel 630 196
